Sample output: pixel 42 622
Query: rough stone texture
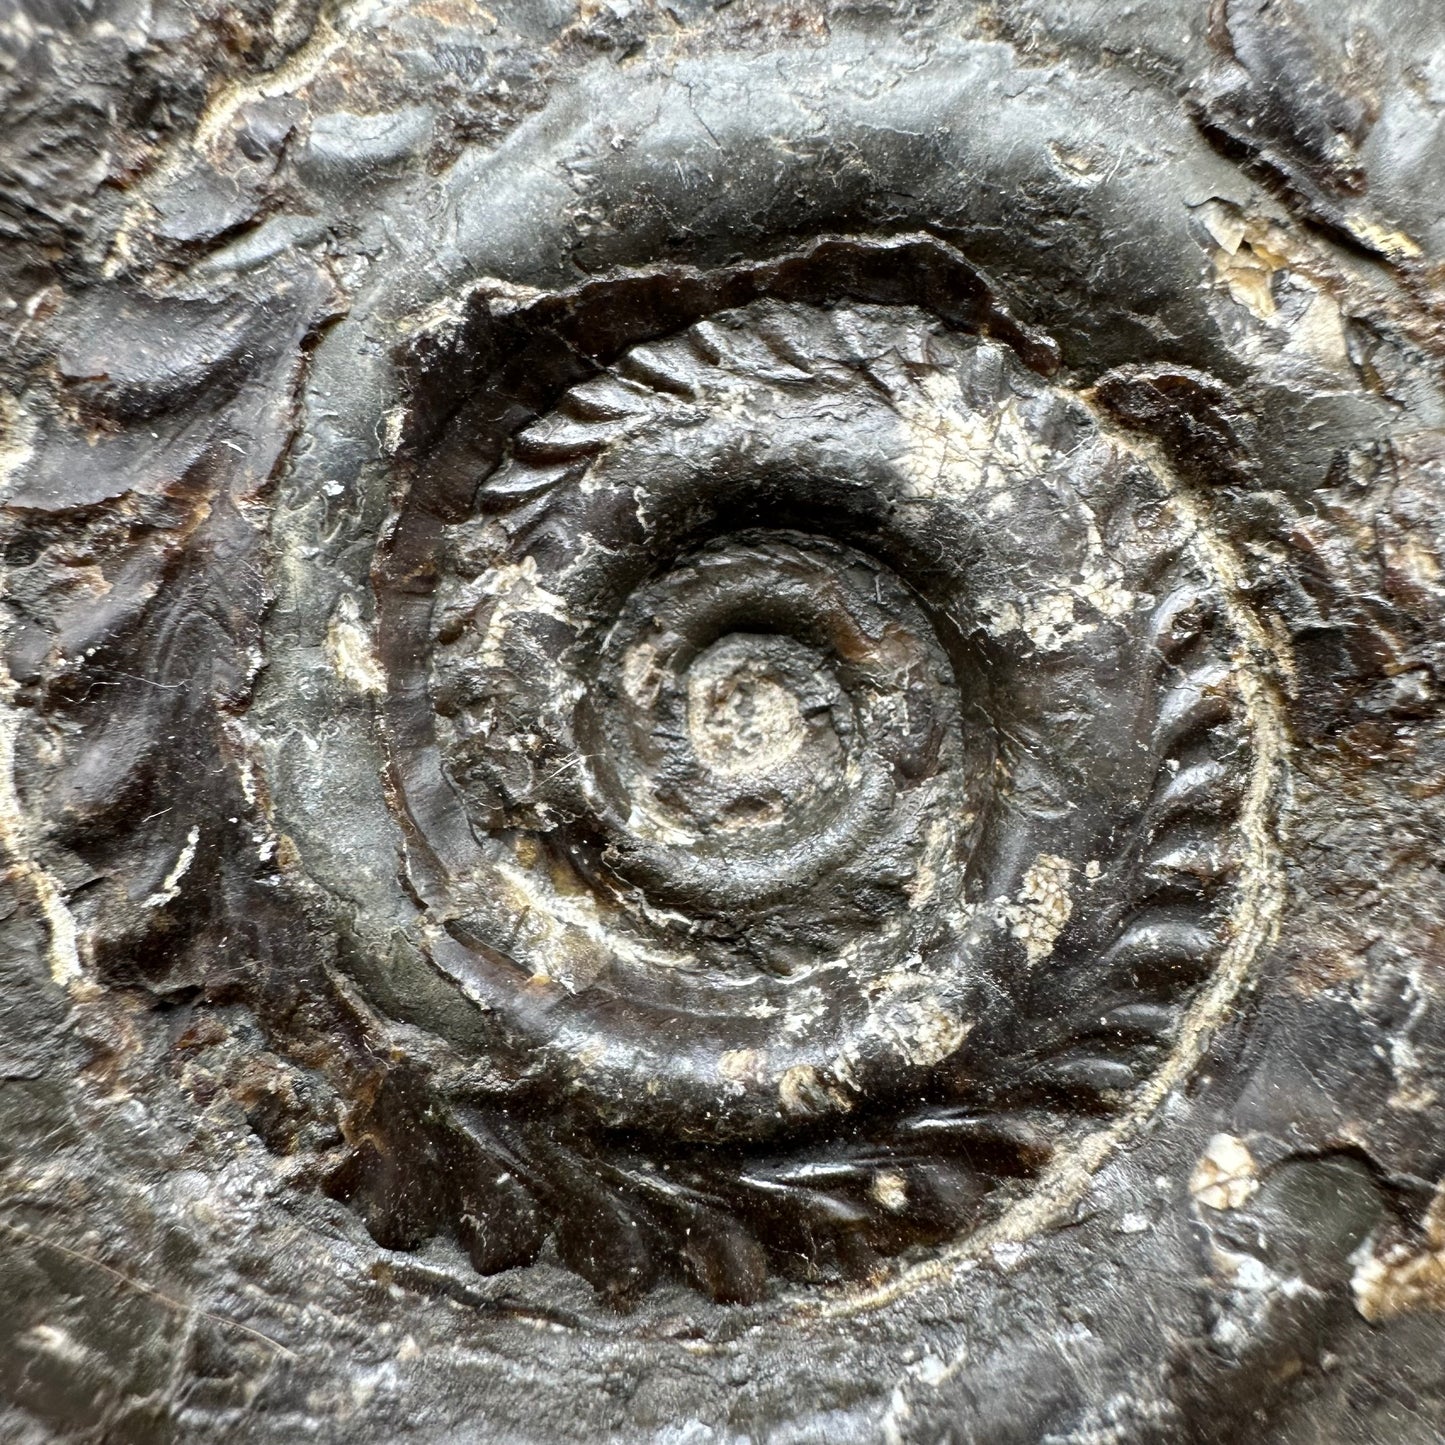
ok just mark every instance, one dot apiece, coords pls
pixel 723 722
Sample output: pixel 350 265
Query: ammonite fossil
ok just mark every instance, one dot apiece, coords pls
pixel 817 722
pixel 721 723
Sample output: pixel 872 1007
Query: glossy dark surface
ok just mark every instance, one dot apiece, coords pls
pixel 724 723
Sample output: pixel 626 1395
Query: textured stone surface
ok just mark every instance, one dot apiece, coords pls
pixel 723 722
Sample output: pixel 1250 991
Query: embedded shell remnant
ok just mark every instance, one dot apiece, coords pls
pixel 1225 1177
pixel 1043 907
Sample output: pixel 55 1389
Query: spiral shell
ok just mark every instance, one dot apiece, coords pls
pixel 817 720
